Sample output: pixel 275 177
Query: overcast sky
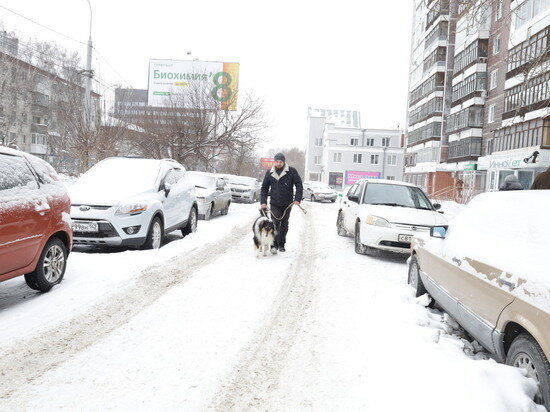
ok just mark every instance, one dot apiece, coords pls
pixel 292 53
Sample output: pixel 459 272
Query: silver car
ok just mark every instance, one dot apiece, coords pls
pixel 244 188
pixel 213 194
pixel 318 192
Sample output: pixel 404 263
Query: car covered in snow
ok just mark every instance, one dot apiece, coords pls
pixel 319 192
pixel 213 194
pixel 35 231
pixel 132 202
pixel 244 188
pixel 488 268
pixel 385 215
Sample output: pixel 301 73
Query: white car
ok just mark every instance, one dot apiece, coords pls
pixel 318 192
pixel 132 202
pixel 244 188
pixel 386 214
pixel 213 194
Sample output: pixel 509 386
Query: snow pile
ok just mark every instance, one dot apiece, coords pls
pixel 451 209
pixel 113 180
pixel 509 231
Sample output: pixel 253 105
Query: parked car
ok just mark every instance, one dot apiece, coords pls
pixel 244 188
pixel 318 192
pixel 488 268
pixel 213 194
pixel 132 202
pixel 385 214
pixel 35 232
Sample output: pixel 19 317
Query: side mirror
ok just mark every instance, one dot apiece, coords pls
pixel 439 231
pixel 353 198
pixel 167 188
pixel 437 206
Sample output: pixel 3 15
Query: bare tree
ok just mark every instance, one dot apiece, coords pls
pixel 294 156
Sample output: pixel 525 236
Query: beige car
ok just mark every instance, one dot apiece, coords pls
pixel 489 270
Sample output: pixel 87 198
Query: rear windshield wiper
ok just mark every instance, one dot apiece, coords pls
pixel 388 204
pixel 200 187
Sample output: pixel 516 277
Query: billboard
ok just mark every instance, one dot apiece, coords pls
pixel 353 176
pixel 172 77
pixel 266 163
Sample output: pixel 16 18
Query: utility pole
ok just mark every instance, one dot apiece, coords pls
pixel 89 74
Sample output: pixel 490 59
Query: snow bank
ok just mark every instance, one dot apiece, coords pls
pixel 509 231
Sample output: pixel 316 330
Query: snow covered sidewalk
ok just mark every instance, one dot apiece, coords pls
pixel 316 328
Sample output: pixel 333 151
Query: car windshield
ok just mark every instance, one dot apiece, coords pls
pixel 321 187
pixel 242 180
pixel 203 181
pixel 396 195
pixel 124 176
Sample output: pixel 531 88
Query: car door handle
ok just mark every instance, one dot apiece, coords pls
pixel 501 282
pixel 42 208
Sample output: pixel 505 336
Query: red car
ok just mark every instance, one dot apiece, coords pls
pixel 35 228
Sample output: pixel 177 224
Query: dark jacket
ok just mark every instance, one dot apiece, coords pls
pixel 511 182
pixel 542 181
pixel 280 187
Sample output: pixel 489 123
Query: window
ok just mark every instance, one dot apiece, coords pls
pixel 337 157
pixel 36 120
pixel 491 115
pixel 392 160
pixel 385 141
pixel 390 177
pixel 14 172
pixel 374 159
pixel 369 142
pixel 319 141
pixel 494 79
pixel 354 142
pixel 498 13
pixel 317 160
pixel 496 44
pixel 357 158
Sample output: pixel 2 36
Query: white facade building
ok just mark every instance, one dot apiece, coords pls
pixel 340 155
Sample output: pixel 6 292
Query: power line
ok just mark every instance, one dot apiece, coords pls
pixel 42 25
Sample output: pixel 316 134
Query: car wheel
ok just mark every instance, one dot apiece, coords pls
pixel 414 278
pixel 50 268
pixel 360 248
pixel 313 198
pixel 155 236
pixel 208 213
pixel 191 226
pixel 526 353
pixel 340 225
pixel 225 210
pixel 333 200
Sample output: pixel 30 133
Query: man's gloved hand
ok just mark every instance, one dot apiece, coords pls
pixel 263 206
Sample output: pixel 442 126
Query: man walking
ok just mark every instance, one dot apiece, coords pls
pixel 279 183
pixel 542 181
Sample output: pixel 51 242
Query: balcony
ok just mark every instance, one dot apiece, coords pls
pixel 428 154
pixel 440 8
pixel 433 84
pixel 471 117
pixel 465 149
pixel 476 52
pixel 532 133
pixel 40 99
pixel 40 149
pixel 435 59
pixel 535 49
pixel 531 95
pixel 424 134
pixel 433 107
pixel 39 128
pixel 437 34
pixel 472 86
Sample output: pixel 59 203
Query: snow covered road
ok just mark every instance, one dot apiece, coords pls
pixel 203 324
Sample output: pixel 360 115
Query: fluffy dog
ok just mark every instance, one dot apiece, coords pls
pixel 264 234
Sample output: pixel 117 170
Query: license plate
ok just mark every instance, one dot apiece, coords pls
pixel 405 238
pixel 85 227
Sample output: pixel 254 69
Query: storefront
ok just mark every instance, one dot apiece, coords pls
pixel 526 165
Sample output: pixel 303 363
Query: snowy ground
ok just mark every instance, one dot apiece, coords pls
pixel 203 324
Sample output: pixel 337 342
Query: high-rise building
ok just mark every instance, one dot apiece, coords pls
pixel 479 95
pixel 345 117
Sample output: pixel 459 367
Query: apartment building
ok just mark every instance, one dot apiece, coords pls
pixel 33 100
pixel 479 111
pixel 346 117
pixel 340 155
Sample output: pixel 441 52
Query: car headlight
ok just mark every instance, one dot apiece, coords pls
pixel 377 221
pixel 131 209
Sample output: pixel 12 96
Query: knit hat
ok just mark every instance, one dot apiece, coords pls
pixel 279 156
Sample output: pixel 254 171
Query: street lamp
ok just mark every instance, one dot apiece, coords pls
pixel 89 73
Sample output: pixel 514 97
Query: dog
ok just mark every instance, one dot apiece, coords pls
pixel 264 234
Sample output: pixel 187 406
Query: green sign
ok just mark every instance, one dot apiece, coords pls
pixel 471 166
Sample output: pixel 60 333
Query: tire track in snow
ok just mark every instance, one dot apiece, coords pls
pixel 257 375
pixel 29 360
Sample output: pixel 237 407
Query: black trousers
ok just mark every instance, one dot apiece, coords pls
pixel 281 226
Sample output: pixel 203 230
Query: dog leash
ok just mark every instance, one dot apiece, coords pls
pixel 284 213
